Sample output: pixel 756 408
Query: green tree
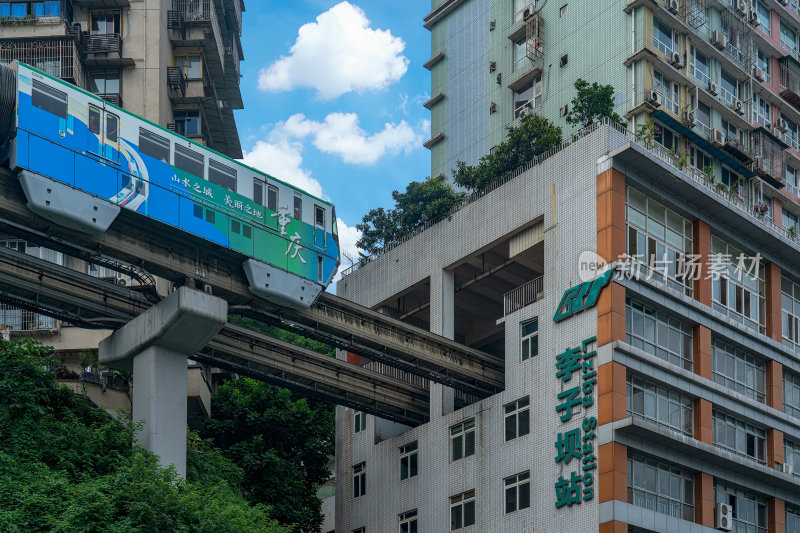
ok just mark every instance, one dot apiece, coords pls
pixel 67 466
pixel 378 229
pixel 282 334
pixel 592 103
pixel 534 136
pixel 282 443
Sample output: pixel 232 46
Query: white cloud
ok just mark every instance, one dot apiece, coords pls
pixel 282 159
pixel 336 54
pixel 348 235
pixel 340 134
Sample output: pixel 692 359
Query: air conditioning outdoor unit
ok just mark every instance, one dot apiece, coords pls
pixel 677 60
pixel 689 119
pixel 787 468
pixel 777 133
pixel 674 6
pixel 741 7
pixel 713 88
pixel 781 125
pixel 652 98
pixel 758 74
pixel 527 13
pixel 563 110
pixel 719 39
pixel 754 18
pixel 717 138
pixel 724 517
pixel 738 106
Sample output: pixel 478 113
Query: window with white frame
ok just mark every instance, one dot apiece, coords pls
pixel 739 437
pixel 763 14
pixel 728 88
pixel 529 339
pixel 408 460
pixel 790 311
pixel 792 135
pixel 521 60
pixel 518 491
pixel 698 66
pixel 35 250
pixel 661 405
pixel 791 394
pixel 668 91
pixel 660 238
pixel 699 159
pixel 792 513
pixel 517 418
pixel 738 371
pixel 749 510
pixel 660 487
pixel 658 333
pixel 462 510
pixel 789 222
pixel 737 284
pixel 664 38
pixel 733 181
pixel 762 61
pixel 462 440
pixel 762 111
pixel 703 119
pixel 359 421
pixel 528 98
pixel 666 137
pixel 359 480
pixel 408 522
pixel 521 5
pixel 789 38
pixel 731 132
pixel 792 180
pixel 791 455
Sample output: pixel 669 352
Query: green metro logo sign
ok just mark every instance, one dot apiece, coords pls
pixel 582 296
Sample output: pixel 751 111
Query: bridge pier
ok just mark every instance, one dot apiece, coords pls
pixel 442 314
pixel 155 345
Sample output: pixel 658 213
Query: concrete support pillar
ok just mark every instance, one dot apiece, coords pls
pixel 774 373
pixel 701 239
pixel 776 516
pixel 703 421
pixel 772 277
pixel 701 351
pixel 704 499
pixel 442 313
pixel 156 345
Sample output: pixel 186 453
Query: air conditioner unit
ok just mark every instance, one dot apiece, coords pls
pixel 741 7
pixel 754 18
pixel 787 468
pixel 674 6
pixel 758 74
pixel 758 163
pixel 717 138
pixel 724 517
pixel 777 133
pixel 677 60
pixel 784 2
pixel 527 13
pixel 689 119
pixel 492 25
pixel 563 110
pixel 719 39
pixel 781 125
pixel 492 108
pixel 525 111
pixel 738 106
pixel 713 88
pixel 652 98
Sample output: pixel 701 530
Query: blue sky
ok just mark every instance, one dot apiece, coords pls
pixel 337 107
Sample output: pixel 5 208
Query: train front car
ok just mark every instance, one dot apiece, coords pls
pixel 81 159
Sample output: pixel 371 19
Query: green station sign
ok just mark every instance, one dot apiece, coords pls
pixel 582 296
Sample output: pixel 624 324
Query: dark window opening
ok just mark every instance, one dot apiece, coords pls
pixel 210 216
pixel 189 161
pixel 112 128
pixel 235 226
pixel 94 119
pixel 153 145
pixel 198 211
pixel 258 192
pixel 319 216
pixel 247 231
pixel 49 99
pixel 272 198
pixel 298 208
pixel 221 175
pixel 320 270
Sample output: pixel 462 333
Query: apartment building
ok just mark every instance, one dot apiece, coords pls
pixel 660 396
pixel 173 62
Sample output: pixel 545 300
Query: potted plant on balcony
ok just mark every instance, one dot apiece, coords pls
pixel 791 232
pixel 708 176
pixel 680 157
pixel 647 132
pixel 761 208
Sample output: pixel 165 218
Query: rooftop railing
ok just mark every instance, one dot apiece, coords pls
pixel 523 295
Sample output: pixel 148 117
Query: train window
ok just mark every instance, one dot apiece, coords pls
pixel 49 99
pixel 272 198
pixel 235 226
pixel 319 216
pixel 247 231
pixel 189 161
pixel 112 128
pixel 94 119
pixel 153 145
pixel 298 208
pixel 219 174
pixel 319 268
pixel 258 192
pixel 210 216
pixel 198 211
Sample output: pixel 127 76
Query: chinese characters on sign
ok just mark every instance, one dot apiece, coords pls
pixel 577 443
pixel 688 267
pixel 294 244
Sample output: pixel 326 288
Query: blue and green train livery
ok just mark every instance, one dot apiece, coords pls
pixel 81 159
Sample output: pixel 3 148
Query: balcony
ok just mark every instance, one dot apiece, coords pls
pixel 113 98
pixel 16 319
pixel 105 50
pixel 523 295
pixel 790 80
pixel 769 157
pixel 60 58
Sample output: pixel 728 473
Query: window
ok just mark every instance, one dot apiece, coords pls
pixel 189 161
pixel 190 64
pixel 49 99
pixel 272 198
pixel 521 5
pixel 658 333
pixel 153 145
pixel 699 158
pixel 359 480
pixel 791 455
pixel 792 135
pixel 529 339
pixel 749 510
pixel 728 88
pixel 663 38
pixel 703 119
pixel 222 175
pixel 359 421
pixel 666 137
pixel 235 226
pixel 408 460
pixel 258 192
pixel 528 98
pixel 761 111
pixel 660 487
pixel 698 66
pixel 788 39
pixel 462 510
pixel 320 269
pixel 105 22
pixel 198 211
pixel 668 91
pixel 112 128
pixel 319 217
pixel 462 440
pixel 104 82
pixel 663 406
pixel 563 61
pixel 210 216
pixel 791 396
pixel 792 518
pixel 50 8
pixel 408 522
pixel 763 17
pixel 517 418
pixel 563 11
pixel 737 285
pixel 94 119
pixel 187 122
pixel 731 132
pixel 762 61
pixel 790 311
pixel 518 492
pixel 660 238
pixel 521 61
pixel 789 221
pixel 739 437
pixel 298 207
pixel 734 369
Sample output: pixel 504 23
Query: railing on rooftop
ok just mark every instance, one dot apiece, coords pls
pixel 523 295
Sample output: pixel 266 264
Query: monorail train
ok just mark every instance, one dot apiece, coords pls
pixel 81 159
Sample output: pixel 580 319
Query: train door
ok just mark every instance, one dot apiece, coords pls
pixel 103 133
pixel 319 226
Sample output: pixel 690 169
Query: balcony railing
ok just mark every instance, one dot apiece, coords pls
pixel 114 98
pixel 59 58
pixel 17 319
pixel 790 81
pixel 108 43
pixel 176 81
pixel 523 295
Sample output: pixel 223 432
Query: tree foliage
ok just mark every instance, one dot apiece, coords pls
pixel 592 103
pixel 66 465
pixel 286 336
pixel 282 443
